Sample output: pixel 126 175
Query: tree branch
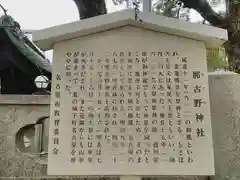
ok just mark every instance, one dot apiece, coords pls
pixel 205 10
pixel 168 7
pixel 228 6
pixel 90 8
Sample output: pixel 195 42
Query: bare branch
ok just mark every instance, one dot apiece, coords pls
pixel 169 6
pixel 205 10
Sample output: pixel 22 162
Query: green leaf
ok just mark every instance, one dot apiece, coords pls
pixel 217 58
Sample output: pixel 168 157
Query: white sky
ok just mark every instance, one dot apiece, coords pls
pixel 39 14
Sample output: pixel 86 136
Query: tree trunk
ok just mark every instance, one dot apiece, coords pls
pixel 233 45
pixel 90 8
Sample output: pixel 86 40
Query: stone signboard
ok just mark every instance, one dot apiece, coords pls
pixel 130 101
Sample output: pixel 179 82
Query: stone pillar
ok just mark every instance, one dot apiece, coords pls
pixel 147 5
pixel 225 112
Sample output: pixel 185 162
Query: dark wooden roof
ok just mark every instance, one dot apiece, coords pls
pixel 20 57
pixel 13 37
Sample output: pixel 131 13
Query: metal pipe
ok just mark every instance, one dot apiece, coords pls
pixel 147 5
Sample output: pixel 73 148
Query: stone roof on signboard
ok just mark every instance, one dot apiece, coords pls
pixel 33 62
pixel 212 36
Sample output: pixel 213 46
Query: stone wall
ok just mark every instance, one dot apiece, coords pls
pixel 16 112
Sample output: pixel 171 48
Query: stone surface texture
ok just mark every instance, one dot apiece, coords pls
pixel 225 108
pixel 177 49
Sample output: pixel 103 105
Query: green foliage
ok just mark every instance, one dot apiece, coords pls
pixel 236 2
pixel 217 58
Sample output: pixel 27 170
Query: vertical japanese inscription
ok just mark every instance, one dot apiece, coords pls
pixel 56 115
pixel 133 108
